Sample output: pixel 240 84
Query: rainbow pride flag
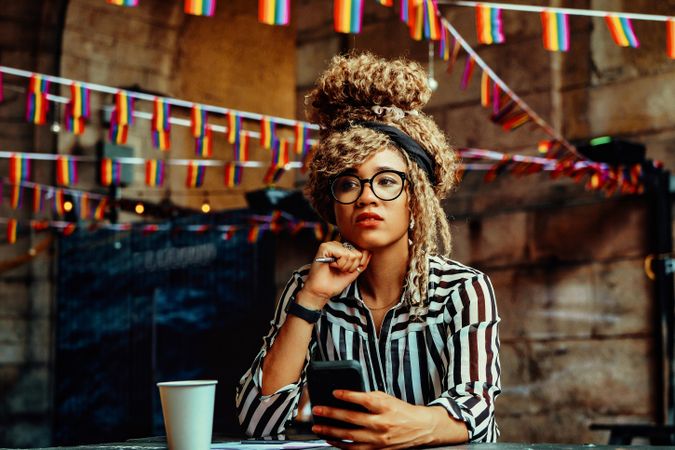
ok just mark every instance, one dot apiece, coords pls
pixel 489 25
pixel 405 11
pixel 83 206
pixel 200 7
pixel 123 2
pixel 267 132
pixel 485 89
pixel 670 38
pixel 233 126
pixel 199 120
pixel 279 161
pixel 253 234
pixel 66 171
pixel 274 12
pixel 19 168
pixel 241 146
pixel 38 199
pixel 195 175
pixel 11 231
pixel 99 212
pixel 118 133
pixel 424 21
pixel 161 114
pixel 154 172
pixel 79 99
pixel 468 72
pixel 58 202
pixel 124 108
pixel 204 143
pixel 37 104
pixel 622 32
pixel 347 15
pixel 233 174
pixel 443 47
pixel 16 196
pixel 111 172
pixel 73 124
pixel 161 140
pixel 556 33
pixel 301 138
pixel 385 2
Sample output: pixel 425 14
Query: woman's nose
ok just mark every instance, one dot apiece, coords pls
pixel 367 195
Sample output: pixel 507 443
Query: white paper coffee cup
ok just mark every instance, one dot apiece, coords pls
pixel 187 407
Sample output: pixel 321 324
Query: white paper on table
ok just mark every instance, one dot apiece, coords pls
pixel 261 445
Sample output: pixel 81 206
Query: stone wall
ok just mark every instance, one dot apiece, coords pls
pixel 567 265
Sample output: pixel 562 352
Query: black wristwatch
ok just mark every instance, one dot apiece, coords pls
pixel 308 315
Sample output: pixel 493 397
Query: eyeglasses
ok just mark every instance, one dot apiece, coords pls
pixel 387 185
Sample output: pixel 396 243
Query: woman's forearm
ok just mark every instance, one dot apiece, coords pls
pixel 445 429
pixel 285 359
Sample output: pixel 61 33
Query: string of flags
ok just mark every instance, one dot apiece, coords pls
pixel 254 226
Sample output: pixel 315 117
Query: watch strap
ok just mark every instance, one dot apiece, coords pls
pixel 308 315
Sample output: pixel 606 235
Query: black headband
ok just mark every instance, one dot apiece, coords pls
pixel 405 142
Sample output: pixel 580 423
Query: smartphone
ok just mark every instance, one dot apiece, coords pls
pixel 323 377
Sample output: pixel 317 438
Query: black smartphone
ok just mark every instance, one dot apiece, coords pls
pixel 323 377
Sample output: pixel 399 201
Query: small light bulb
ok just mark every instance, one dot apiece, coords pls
pixel 56 127
pixel 139 208
pixel 206 207
pixel 67 206
pixel 32 251
pixel 433 84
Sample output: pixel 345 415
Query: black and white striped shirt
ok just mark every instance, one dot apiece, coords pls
pixel 449 356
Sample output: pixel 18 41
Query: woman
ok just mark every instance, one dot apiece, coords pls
pixel 423 327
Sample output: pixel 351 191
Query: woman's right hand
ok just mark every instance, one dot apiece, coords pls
pixel 326 280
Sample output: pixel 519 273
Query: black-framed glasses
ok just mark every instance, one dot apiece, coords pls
pixel 387 185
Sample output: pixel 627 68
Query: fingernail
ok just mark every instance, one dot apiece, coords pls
pixel 316 429
pixel 317 410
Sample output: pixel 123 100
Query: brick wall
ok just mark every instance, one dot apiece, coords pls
pixel 567 265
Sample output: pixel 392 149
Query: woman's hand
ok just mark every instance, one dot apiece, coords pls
pixel 390 423
pixel 326 280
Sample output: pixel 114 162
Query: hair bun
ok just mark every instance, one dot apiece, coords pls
pixel 354 83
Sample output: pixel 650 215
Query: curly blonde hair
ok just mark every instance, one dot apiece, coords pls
pixel 346 93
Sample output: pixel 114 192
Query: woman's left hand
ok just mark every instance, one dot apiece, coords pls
pixel 391 423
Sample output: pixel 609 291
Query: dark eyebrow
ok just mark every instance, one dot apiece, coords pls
pixel 352 171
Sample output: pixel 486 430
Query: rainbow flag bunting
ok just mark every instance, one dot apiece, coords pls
pixel 199 120
pixel 489 25
pixel 241 146
pixel 516 120
pixel 233 174
pixel 154 172
pixel 83 206
pixel 468 72
pixel 16 196
pixel 454 53
pixel 279 161
pixel 66 171
pixel 200 7
pixel 556 32
pixel 73 124
pixel 405 11
pixel 79 98
pixel 204 143
pixel 124 108
pixel 622 32
pixel 424 21
pixel 485 89
pixel 267 132
pixel 19 168
pixel 385 2
pixel 99 212
pixel 58 202
pixel 160 125
pixel 301 138
pixel 443 47
pixel 118 133
pixel 195 175
pixel 11 231
pixel 670 40
pixel 123 2
pixel 111 172
pixel 37 104
pixel 347 15
pixel 274 12
pixel 253 234
pixel 233 126
pixel 38 199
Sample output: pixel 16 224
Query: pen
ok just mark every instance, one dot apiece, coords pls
pixel 329 259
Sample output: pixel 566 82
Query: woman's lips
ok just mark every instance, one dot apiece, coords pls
pixel 368 220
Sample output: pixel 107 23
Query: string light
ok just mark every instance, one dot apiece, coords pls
pixel 67 206
pixel 206 206
pixel 140 209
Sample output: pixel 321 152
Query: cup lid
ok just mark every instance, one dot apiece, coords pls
pixel 187 383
